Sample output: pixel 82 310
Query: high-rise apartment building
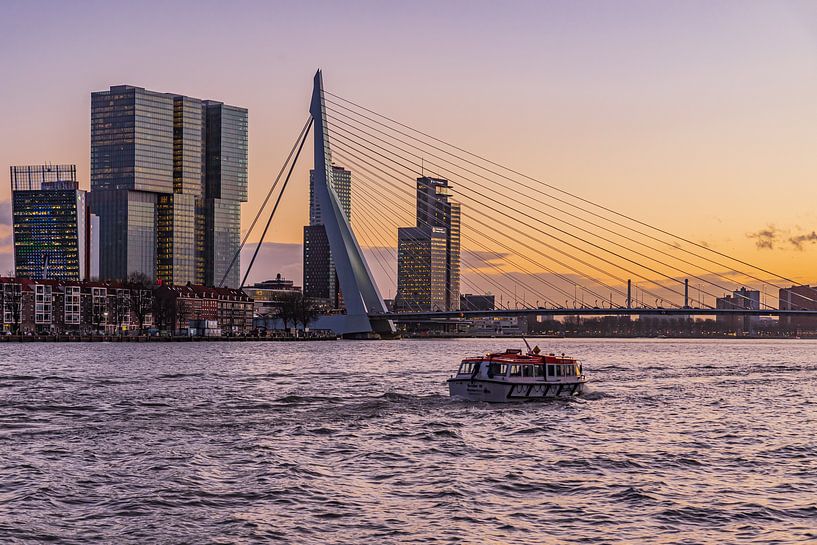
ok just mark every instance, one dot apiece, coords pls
pixel 168 176
pixel 320 277
pixel 419 251
pixel 51 224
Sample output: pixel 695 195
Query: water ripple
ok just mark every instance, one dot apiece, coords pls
pixel 674 442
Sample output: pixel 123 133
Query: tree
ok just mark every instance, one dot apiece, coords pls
pixel 306 311
pixel 141 297
pixel 13 303
pixel 184 312
pixel 162 312
pixel 288 308
pixel 120 308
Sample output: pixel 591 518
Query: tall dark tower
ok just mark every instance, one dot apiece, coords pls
pixel 320 276
pixel 435 208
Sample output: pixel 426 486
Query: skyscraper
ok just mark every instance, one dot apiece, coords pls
pixel 320 278
pixel 168 175
pixel 51 223
pixel 421 269
pixel 225 188
pixel 436 237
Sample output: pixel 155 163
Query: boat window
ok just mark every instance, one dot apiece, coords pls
pixel 516 371
pixel 577 370
pixel 551 370
pixel 558 370
pixel 538 370
pixel 466 368
pixel 527 370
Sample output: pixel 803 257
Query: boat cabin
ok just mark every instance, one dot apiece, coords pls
pixel 514 366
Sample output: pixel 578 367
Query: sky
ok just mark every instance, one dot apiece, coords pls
pixel 700 117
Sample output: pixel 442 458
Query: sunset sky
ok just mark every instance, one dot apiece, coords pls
pixel 700 117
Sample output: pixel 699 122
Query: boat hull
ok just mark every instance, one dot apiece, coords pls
pixel 493 391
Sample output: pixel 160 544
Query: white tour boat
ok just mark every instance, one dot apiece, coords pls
pixel 509 376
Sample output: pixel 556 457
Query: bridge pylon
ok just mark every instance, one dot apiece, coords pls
pixel 361 297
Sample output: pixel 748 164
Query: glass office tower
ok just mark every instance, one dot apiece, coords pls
pixel 419 251
pixel 131 165
pixel 225 188
pixel 50 223
pixel 161 165
pixel 421 269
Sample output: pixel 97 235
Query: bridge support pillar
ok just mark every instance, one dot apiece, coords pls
pixel 360 294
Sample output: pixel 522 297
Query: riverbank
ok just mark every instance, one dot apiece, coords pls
pixel 152 339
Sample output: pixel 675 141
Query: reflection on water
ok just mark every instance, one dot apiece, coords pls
pixel 357 442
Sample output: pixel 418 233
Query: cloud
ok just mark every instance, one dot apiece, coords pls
pixel 5 213
pixel 799 240
pixel 6 261
pixel 477 260
pixel 765 239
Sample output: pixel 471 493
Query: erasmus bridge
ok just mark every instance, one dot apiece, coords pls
pixel 569 255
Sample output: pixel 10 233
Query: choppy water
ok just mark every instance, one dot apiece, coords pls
pixel 357 442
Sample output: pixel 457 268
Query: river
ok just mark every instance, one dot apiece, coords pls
pixel 358 442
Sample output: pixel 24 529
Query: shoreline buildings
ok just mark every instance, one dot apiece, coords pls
pixel 168 176
pixel 428 255
pixel 53 231
pixel 799 298
pixel 741 299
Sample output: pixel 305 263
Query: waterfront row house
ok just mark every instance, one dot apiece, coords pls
pixel 58 307
pixel 176 307
pixel 53 307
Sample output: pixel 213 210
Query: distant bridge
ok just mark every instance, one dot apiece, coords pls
pixel 506 313
pixel 517 233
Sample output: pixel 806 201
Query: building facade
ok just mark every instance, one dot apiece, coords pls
pixel 798 298
pixel 114 308
pixel 168 176
pixel 225 188
pixel 742 299
pixel 320 278
pixel 59 307
pixel 420 263
pixel 51 223
pixel 421 270
pixel 179 309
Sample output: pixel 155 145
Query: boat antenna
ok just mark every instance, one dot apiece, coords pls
pixel 526 344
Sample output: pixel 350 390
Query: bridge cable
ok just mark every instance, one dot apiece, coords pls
pixel 485 248
pixel 618 255
pixel 394 257
pixel 277 202
pixel 266 200
pixel 555 188
pixel 557 238
pixel 459 176
pixel 535 250
pixel 467 262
